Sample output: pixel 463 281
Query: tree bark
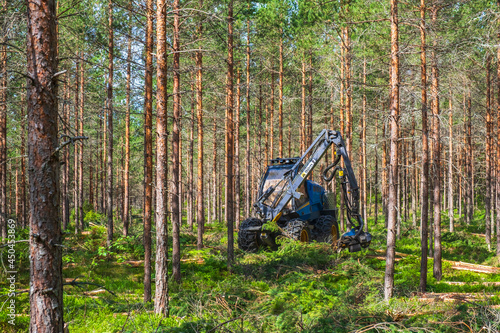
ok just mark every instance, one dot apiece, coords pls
pixel 437 271
pixel 200 210
pixel 176 218
pixel 190 194
pixel 470 171
pixel 424 214
pixel 393 173
pixel 237 151
pixel 280 107
pixel 161 262
pixel 303 111
pixel 487 195
pixel 248 192
pixel 80 151
pixel 46 292
pixel 363 149
pixel 498 145
pixel 450 164
pixel 230 141
pixel 126 173
pixel 76 178
pixel 148 150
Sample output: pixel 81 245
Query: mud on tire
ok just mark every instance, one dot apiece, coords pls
pixel 249 241
pixel 326 229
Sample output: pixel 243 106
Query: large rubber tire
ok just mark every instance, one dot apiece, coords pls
pixel 298 229
pixel 249 241
pixel 326 229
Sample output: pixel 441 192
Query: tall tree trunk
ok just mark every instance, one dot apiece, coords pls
pixel 303 111
pixel 271 113
pixel 424 214
pixel 190 194
pixel 280 107
pixel 214 169
pixel 348 90
pixel 200 210
pixel 487 196
pixel 438 271
pixel 363 148
pixel 161 262
pixel 450 164
pixel 65 177
pixel 498 144
pixel 470 171
pixel 126 173
pixel 148 150
pixel 176 219
pixel 229 141
pixel 310 106
pixel 46 292
pixel 393 173
pixel 77 146
pixel 248 193
pixel 109 193
pixel 80 151
pixel 375 218
pixel 237 151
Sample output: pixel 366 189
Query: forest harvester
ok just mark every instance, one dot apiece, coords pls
pixel 290 205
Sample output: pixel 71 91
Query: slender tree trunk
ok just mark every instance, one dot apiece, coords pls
pixel 80 151
pixel 65 177
pixel 126 173
pixel 487 196
pixel 375 218
pixel 230 141
pixel 248 192
pixel 348 91
pixel 148 150
pixel 303 111
pixel 393 174
pixel 200 213
pixel 161 262
pixel 415 175
pixel 271 118
pixel 214 169
pixel 176 218
pixel 237 151
pixel 437 272
pixel 470 188
pixel 190 194
pixel 450 164
pixel 77 146
pixel 310 105
pixel 385 173
pixel 363 147
pixel 109 193
pixel 498 144
pixel 424 214
pixel 280 107
pixel 46 292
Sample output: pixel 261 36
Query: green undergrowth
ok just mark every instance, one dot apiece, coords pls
pixel 298 288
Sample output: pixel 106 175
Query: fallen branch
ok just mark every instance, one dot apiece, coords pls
pixel 224 323
pixel 74 283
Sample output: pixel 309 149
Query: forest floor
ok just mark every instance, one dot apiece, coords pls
pixel 299 288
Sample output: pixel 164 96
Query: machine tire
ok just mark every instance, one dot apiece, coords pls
pixel 249 241
pixel 298 230
pixel 326 229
